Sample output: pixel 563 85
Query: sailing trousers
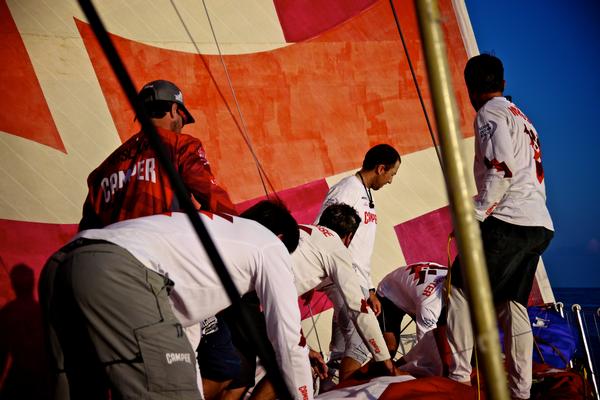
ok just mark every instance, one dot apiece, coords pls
pixel 345 339
pixel 512 254
pixel 111 329
pixel 518 342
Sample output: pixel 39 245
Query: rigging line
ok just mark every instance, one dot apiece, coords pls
pixel 414 77
pixel 244 132
pixel 264 347
pixel 241 129
pixel 312 318
pixel 587 331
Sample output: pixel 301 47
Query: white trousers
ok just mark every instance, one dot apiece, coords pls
pixel 345 340
pixel 423 359
pixel 518 342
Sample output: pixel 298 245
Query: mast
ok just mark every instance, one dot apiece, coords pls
pixel 461 204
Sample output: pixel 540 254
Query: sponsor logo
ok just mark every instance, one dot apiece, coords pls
pixel 326 232
pixel 179 96
pixel 375 347
pixel 209 325
pixel 144 170
pixel 491 209
pixel 178 357
pixel 370 217
pixel 429 289
pixel 518 113
pixel 429 322
pixel 487 130
pixel 303 391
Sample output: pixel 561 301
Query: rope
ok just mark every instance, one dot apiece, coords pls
pixel 414 77
pixel 264 348
pixel 587 332
pixel 307 302
pixel 243 128
pixel 447 284
pixel 477 372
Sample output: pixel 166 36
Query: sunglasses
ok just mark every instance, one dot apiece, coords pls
pixel 182 114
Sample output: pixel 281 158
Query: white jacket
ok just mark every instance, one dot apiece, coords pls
pixel 256 260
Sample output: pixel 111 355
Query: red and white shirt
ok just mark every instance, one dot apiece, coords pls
pixel 322 259
pixel 131 183
pixel 417 290
pixel 256 260
pixel 351 191
pixel 508 166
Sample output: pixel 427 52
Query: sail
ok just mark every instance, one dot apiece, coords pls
pixel 306 86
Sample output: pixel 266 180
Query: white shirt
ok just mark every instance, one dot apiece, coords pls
pixel 320 259
pixel 351 191
pixel 417 290
pixel 508 166
pixel 256 260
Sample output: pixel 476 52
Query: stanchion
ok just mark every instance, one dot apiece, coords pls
pixel 576 308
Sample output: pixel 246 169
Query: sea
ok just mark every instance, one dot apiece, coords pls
pixel 589 300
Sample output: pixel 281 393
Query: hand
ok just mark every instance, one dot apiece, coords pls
pixel 374 303
pixel 319 368
pixel 391 368
pixel 195 202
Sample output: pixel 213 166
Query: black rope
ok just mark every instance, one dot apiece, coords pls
pixel 414 77
pixel 263 345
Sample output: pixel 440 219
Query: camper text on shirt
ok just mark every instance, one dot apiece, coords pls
pixel 322 259
pixel 255 258
pixel 351 191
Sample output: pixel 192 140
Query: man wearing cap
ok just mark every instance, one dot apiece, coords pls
pixel 130 183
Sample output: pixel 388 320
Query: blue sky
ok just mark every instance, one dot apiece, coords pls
pixel 551 55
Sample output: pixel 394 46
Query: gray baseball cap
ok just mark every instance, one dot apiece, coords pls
pixel 161 90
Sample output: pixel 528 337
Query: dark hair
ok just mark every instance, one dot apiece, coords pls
pixel 380 154
pixel 275 216
pixel 484 74
pixel 340 218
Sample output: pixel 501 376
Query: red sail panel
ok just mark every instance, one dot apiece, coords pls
pixel 25 112
pixel 352 81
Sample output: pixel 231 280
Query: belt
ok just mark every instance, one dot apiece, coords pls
pixel 81 242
